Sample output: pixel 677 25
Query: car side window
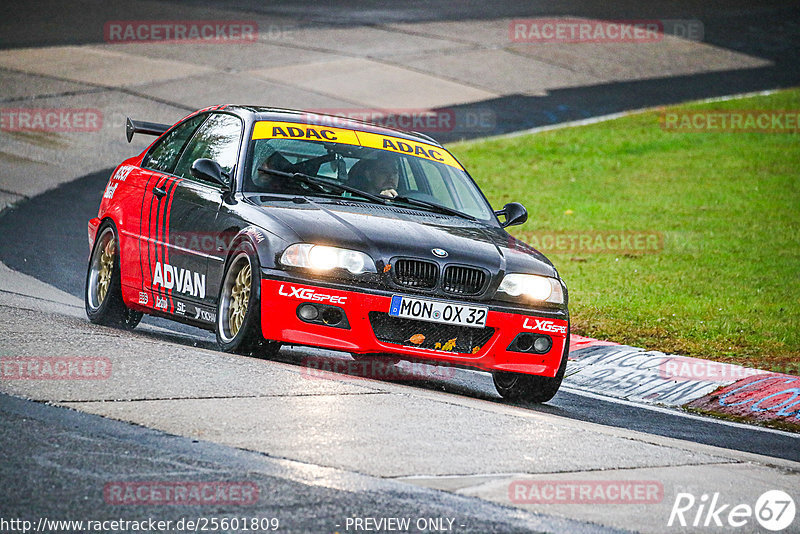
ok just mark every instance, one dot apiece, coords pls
pixel 217 139
pixel 163 156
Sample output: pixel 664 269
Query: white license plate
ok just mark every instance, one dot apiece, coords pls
pixel 436 311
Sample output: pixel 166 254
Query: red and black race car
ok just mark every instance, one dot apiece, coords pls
pixel 272 226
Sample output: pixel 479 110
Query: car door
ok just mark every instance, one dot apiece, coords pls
pixel 184 231
pixel 154 179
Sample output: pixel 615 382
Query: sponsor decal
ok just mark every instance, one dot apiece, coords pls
pixel 122 173
pixel 294 130
pixel 54 368
pixel 161 302
pixel 177 31
pixel 143 299
pixel 544 325
pixel 255 234
pixel 50 119
pixel 203 315
pixel 181 280
pixel 736 121
pixel 187 493
pixel 180 307
pixel 291 130
pixel 586 491
pixel 303 293
pixel 408 147
pixel 110 190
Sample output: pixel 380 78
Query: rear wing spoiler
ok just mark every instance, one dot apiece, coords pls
pixel 142 127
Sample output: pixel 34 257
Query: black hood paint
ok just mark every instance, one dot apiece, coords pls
pixel 386 232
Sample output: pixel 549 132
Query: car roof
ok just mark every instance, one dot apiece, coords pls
pixel 261 113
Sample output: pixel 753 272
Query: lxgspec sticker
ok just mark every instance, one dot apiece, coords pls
pixel 181 280
pixel 544 325
pixel 309 294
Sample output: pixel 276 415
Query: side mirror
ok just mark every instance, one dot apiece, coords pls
pixel 514 212
pixel 208 170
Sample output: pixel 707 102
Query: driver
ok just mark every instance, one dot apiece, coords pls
pixel 382 176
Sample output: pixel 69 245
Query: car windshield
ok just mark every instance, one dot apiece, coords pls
pixel 403 179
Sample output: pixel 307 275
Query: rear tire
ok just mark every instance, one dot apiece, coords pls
pixel 103 288
pixel 531 388
pixel 238 325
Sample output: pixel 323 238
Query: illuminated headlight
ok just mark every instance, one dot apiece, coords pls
pixel 532 286
pixel 324 258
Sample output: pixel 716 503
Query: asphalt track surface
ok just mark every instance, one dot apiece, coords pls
pixel 50 451
pixel 81 449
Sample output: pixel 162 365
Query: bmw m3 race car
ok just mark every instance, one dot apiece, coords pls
pixel 271 226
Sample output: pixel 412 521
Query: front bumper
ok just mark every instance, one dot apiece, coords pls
pixel 280 322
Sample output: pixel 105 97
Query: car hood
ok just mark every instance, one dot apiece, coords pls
pixel 387 232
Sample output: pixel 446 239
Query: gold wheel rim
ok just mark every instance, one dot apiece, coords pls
pixel 106 268
pixel 240 298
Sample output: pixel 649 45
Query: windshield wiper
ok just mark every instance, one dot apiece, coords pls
pixel 324 182
pixel 434 207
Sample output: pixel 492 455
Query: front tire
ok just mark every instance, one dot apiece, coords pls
pixel 103 288
pixel 238 326
pixel 531 388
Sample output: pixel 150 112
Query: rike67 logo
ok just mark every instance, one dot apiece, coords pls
pixel 774 510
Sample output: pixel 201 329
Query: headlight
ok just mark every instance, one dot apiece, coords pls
pixel 532 286
pixel 324 258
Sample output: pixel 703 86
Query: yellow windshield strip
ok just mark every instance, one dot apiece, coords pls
pixel 314 132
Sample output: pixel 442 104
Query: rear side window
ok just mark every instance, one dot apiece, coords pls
pixel 165 154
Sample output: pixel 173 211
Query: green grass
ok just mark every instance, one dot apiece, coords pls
pixel 726 285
